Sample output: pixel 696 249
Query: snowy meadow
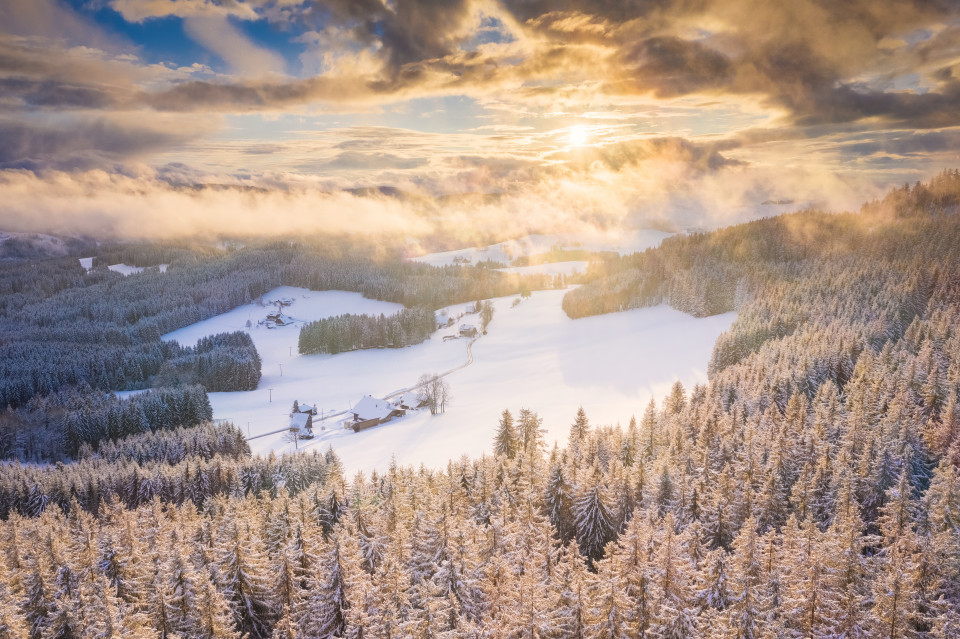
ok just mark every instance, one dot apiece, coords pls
pixel 533 357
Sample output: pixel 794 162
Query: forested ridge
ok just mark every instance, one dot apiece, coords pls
pixel 351 332
pixel 61 326
pixel 809 490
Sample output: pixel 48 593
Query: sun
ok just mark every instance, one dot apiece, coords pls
pixel 578 135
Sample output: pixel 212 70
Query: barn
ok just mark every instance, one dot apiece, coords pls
pixel 371 411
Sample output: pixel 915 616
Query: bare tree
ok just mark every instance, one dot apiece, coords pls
pixel 433 391
pixel 486 314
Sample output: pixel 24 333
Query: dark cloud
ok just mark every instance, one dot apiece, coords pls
pixel 77 144
pixel 55 94
pixel 671 66
pixel 697 157
pixel 614 10
pixel 907 144
pixel 408 31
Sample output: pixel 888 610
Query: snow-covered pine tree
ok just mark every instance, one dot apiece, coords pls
pixel 593 519
pixel 506 441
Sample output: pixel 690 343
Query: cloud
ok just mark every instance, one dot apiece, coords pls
pixel 142 10
pixel 80 143
pixel 694 108
pixel 54 20
pixel 244 57
pixel 354 160
pixel 670 66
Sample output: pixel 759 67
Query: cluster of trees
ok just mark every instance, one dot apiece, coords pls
pixel 433 392
pixel 811 489
pixel 55 427
pixel 61 326
pixel 213 461
pixel 173 446
pixel 709 273
pixel 222 362
pixel 643 531
pixel 351 332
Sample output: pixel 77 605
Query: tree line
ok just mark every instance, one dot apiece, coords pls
pixel 810 489
pixel 222 362
pixel 61 326
pixel 351 332
pixel 56 427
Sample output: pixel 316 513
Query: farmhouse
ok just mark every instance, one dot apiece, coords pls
pixel 468 330
pixel 371 411
pixel 409 401
pixel 306 407
pixel 279 319
pixel 303 423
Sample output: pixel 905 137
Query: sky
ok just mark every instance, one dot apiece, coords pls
pixel 464 118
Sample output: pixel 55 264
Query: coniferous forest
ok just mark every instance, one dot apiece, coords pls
pixel 351 332
pixel 810 489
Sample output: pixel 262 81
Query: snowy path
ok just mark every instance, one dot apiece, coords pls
pixel 444 374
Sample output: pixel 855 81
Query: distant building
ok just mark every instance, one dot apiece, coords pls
pixel 279 319
pixel 443 319
pixel 409 401
pixel 306 407
pixel 468 330
pixel 371 411
pixel 303 423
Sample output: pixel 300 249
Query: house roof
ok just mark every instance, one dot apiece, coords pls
pixel 410 398
pixel 372 408
pixel 299 420
pixel 304 405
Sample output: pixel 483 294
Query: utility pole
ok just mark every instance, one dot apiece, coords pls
pixel 291 351
pixel 248 429
pixel 281 370
pixel 271 394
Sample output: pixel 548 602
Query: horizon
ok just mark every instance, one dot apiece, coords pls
pixel 157 119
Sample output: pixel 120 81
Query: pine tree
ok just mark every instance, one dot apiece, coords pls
pixel 531 432
pixel 505 441
pixel 558 503
pixel 327 610
pixel 594 521
pixel 894 599
pixel 212 618
pixel 243 573
pixel 579 430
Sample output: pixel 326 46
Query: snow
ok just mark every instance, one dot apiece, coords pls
pixel 621 241
pixel 126 269
pixel 86 263
pixel 533 357
pixel 550 268
pixel 372 408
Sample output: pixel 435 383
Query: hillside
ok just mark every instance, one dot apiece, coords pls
pixel 810 489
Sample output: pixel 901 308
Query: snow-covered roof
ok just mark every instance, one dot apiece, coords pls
pixel 411 398
pixel 304 405
pixel 372 408
pixel 299 420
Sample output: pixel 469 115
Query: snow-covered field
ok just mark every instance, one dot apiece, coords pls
pixel 533 357
pixel 623 242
